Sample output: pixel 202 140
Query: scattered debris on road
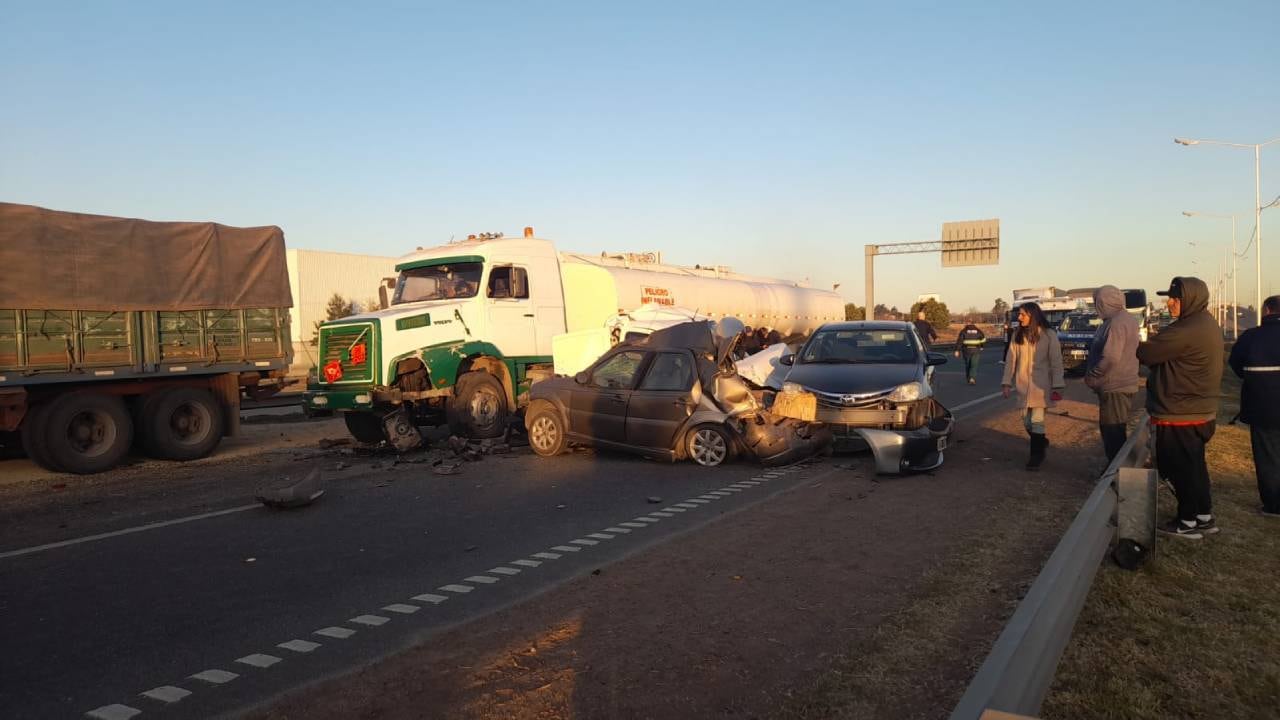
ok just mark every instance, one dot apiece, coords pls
pixel 293 495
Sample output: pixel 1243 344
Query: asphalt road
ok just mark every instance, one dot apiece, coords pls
pixel 213 615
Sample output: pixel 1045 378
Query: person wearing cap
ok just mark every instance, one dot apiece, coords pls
pixel 1182 398
pixel 1255 358
pixel 969 343
pixel 925 330
pixel 1112 368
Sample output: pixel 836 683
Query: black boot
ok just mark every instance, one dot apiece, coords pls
pixel 1038 445
pixel 1113 437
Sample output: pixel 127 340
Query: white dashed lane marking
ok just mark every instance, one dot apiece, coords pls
pixel 370 620
pixel 617 530
pixel 601 536
pixel 564 548
pixel 730 489
pixel 584 541
pixel 634 524
pixel 166 694
pixel 720 493
pixel 503 571
pixel 708 496
pixel 643 519
pixel 545 556
pixel 335 632
pixel 661 514
pixel 698 501
pixel 215 677
pixel 457 588
pixel 402 608
pixel 683 506
pixel 430 598
pixel 528 563
pixel 114 712
pixel 299 646
pixel 481 579
pixel 258 660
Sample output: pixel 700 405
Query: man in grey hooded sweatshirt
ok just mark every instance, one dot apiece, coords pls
pixel 1112 368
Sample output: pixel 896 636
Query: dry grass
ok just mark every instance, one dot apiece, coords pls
pixel 1196 634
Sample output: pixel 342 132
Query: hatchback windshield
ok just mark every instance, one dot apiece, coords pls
pixel 439 282
pixel 860 346
pixel 1080 323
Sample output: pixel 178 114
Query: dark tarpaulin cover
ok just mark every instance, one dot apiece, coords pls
pixel 52 260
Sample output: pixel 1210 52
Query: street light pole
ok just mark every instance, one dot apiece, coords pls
pixel 1257 201
pixel 1235 288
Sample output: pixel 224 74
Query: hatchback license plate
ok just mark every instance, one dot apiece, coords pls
pixel 1079 353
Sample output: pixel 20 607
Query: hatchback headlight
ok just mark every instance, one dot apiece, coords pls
pixel 791 387
pixel 908 392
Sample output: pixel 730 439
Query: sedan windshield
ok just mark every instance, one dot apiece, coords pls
pixel 860 346
pixel 438 282
pixel 1080 323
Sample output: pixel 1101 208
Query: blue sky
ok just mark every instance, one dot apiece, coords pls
pixel 777 138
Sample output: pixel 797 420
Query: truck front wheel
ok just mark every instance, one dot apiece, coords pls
pixel 180 423
pixel 478 408
pixel 365 426
pixel 87 432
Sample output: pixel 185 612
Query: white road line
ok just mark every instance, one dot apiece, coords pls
pixel 335 632
pixel 215 677
pixel 402 608
pixel 126 531
pixel 584 541
pixel 686 505
pixel 545 556
pixel 674 508
pixel 258 660
pixel 481 579
pixel 661 514
pixel 503 571
pixel 634 524
pixel 708 497
pixel 617 530
pixel 979 401
pixel 749 483
pixel 741 485
pixel 722 493
pixel 727 490
pixel 643 519
pixel 299 646
pixel 698 501
pixel 429 598
pixel 601 536
pixel 566 548
pixel 166 694
pixel 457 588
pixel 530 563
pixel 114 712
pixel 370 620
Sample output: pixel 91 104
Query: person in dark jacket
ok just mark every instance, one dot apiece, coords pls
pixel 969 343
pixel 1256 359
pixel 1182 397
pixel 1112 368
pixel 925 330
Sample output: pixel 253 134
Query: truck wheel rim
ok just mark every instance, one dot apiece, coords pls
pixel 190 423
pixel 484 407
pixel 708 447
pixel 544 433
pixel 91 433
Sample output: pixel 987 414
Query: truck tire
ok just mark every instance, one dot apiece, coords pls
pixel 181 423
pixel 478 408
pixel 546 429
pixel 365 426
pixel 33 443
pixel 85 432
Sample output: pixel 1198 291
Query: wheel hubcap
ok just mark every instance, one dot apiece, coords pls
pixel 190 423
pixel 708 447
pixel 484 407
pixel 91 433
pixel 543 434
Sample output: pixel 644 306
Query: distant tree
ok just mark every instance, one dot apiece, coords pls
pixel 935 312
pixel 370 304
pixel 881 312
pixel 972 315
pixel 1000 308
pixel 853 312
pixel 338 307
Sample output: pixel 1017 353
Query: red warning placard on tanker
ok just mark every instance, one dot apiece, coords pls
pixel 656 296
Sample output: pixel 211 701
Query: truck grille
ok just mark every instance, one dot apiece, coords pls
pixel 337 343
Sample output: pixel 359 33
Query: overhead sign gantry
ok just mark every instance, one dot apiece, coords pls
pixel 963 244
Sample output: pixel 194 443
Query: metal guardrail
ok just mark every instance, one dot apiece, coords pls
pixel 1018 671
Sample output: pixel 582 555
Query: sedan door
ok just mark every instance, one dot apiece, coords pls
pixel 598 407
pixel 662 401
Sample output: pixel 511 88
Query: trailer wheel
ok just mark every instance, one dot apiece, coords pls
pixel 33 432
pixel 86 432
pixel 364 426
pixel 478 407
pixel 180 423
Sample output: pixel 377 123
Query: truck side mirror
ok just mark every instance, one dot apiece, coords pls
pixel 382 297
pixel 788 359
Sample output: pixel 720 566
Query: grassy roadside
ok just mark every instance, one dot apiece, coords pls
pixel 1195 634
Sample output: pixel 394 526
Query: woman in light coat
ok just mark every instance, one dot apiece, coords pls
pixel 1034 371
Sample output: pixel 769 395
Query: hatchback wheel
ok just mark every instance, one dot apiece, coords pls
pixel 707 445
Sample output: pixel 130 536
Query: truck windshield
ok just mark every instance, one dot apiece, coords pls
pixel 438 282
pixel 1080 323
pixel 860 346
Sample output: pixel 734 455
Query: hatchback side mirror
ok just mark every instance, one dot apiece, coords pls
pixel 788 359
pixel 934 358
pixel 581 378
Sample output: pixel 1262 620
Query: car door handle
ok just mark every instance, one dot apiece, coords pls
pixel 528 314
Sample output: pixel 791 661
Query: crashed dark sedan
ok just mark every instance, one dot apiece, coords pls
pixel 670 395
pixel 873 388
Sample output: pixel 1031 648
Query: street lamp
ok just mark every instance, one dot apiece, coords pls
pixel 1257 198
pixel 1235 295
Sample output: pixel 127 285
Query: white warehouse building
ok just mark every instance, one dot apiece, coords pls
pixel 314 276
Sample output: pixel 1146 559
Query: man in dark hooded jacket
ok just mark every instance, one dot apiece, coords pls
pixel 1112 368
pixel 1182 397
pixel 1256 358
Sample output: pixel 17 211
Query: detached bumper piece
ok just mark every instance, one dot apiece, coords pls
pixel 904 451
pixel 776 440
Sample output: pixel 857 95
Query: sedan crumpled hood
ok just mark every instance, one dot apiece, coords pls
pixel 853 378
